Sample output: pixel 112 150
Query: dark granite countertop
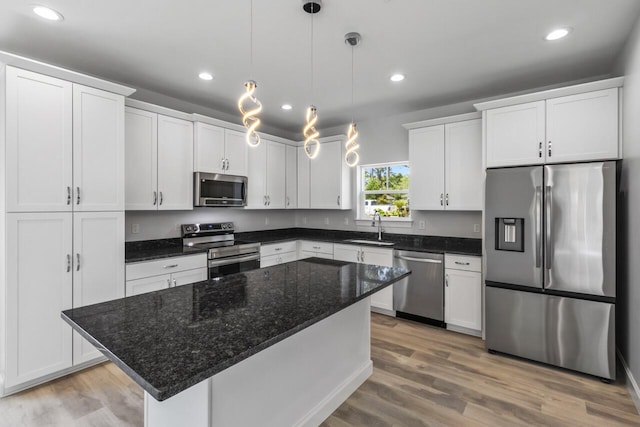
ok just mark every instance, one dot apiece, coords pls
pixel 170 340
pixel 154 249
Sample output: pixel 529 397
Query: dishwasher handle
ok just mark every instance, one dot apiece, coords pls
pixel 426 260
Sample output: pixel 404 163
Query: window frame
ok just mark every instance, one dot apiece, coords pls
pixel 361 193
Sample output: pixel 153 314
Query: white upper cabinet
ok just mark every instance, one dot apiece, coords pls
pixel 219 150
pixel 175 163
pixel 98 267
pixel 304 165
pixel 446 166
pixel 98 150
pixel 330 177
pixel 426 157
pixel 65 145
pixel 267 176
pixel 516 135
pixel 159 161
pixel 463 165
pixel 583 127
pixel 291 172
pixel 578 127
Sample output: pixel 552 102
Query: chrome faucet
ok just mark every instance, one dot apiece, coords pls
pixel 373 224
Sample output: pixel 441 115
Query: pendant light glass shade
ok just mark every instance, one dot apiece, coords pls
pixel 311 144
pixel 352 157
pixel 250 116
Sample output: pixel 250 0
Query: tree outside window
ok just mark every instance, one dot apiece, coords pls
pixel 385 189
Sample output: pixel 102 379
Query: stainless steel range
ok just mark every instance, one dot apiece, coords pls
pixel 226 255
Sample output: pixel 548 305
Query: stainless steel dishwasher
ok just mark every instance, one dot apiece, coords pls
pixel 420 296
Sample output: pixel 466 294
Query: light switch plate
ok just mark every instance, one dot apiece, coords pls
pixel 476 228
pixel 135 228
pixel 422 225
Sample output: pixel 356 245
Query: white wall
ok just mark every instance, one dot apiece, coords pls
pixel 629 278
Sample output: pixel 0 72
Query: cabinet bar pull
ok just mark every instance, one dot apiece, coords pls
pixel 268 200
pixel 77 195
pixel 441 199
pixel 170 266
pixel 161 198
pixel 549 148
pixel 68 195
pixel 155 198
pixel 338 200
pixel 222 163
pixel 277 249
pixel 288 201
pixel 175 283
pixel 447 199
pixel 228 163
pixel 68 263
pixel 168 283
pixel 462 263
pixel 77 262
pixel 316 247
pixel 446 280
pixel 265 201
pixel 540 150
pixel 362 256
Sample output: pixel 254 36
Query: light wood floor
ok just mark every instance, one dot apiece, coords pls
pixel 422 376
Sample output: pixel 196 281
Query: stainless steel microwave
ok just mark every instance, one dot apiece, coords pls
pixel 216 189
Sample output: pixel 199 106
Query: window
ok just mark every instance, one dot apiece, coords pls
pixel 384 188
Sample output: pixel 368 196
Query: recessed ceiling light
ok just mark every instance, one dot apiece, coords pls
pixel 286 106
pixel 557 34
pixel 47 13
pixel 397 77
pixel 205 76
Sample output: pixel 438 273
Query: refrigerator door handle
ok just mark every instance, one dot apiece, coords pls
pixel 538 226
pixel 547 227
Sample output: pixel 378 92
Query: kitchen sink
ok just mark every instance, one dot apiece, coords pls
pixel 370 242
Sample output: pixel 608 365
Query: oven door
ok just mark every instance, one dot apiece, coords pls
pixel 236 264
pixel 214 189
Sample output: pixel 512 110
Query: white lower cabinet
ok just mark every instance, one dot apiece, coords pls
pixel 463 293
pixel 149 276
pixel 80 261
pixel 310 249
pixel 382 299
pixel 278 253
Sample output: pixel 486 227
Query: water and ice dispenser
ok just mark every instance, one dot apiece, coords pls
pixel 510 234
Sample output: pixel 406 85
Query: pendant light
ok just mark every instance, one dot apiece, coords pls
pixel 311 134
pixel 250 115
pixel 352 157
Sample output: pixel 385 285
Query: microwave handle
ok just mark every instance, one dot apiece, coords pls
pixel 244 192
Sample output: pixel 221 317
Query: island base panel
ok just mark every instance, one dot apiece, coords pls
pixel 299 381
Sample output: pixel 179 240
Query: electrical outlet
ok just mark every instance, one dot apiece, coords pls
pixel 266 220
pixel 177 227
pixel 304 220
pixel 135 228
pixel 346 221
pixel 326 220
pixel 422 225
pixel 476 228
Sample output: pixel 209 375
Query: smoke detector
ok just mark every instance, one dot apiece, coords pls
pixel 312 6
pixel 352 39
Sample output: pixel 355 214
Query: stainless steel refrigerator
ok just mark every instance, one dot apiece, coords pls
pixel 551 264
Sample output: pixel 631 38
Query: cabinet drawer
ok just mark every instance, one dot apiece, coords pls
pixel 463 262
pixel 278 248
pixel 318 247
pixel 139 270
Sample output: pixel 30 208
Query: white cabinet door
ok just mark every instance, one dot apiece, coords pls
pixel 304 164
pixel 208 150
pixel 38 142
pixel 426 155
pixel 175 164
pixel 98 267
pixel 236 152
pixel 98 150
pixel 189 276
pixel 583 127
pixel 276 175
pixel 288 257
pixel 147 284
pixel 463 165
pixel 325 177
pixel 463 299
pixel 291 174
pixel 383 298
pixel 39 287
pixel 257 185
pixel 268 261
pixel 516 135
pixel 141 159
pixel 348 253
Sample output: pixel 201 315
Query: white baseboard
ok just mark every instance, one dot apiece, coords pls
pixel 330 403
pixel 383 311
pixel 632 385
pixel 464 330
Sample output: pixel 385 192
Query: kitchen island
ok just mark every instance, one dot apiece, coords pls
pixel 279 346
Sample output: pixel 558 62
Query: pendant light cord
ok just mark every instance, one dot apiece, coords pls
pixel 251 42
pixel 312 81
pixel 352 88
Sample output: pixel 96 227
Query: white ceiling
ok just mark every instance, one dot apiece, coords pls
pixel 450 50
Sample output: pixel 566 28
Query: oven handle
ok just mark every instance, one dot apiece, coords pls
pixel 233 260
